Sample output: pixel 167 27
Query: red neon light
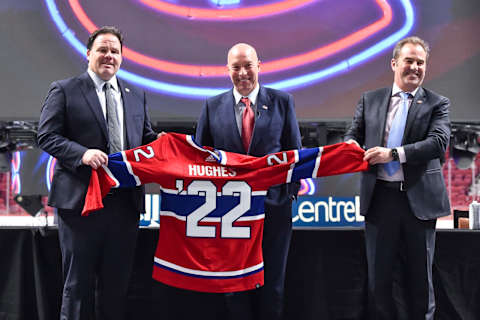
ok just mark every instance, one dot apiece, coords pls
pixel 16 161
pixel 303 187
pixel 266 67
pixel 15 184
pixel 52 169
pixel 252 12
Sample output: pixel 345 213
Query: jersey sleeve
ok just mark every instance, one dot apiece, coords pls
pixel 335 159
pixel 125 169
pixel 293 165
pixel 100 184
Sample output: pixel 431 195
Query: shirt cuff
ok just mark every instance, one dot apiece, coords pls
pixel 401 155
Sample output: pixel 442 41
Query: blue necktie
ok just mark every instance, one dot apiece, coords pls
pixel 396 131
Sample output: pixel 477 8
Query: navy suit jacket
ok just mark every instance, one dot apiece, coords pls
pixel 276 129
pixel 72 121
pixel 426 137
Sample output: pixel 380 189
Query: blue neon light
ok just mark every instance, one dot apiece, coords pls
pixel 291 83
pixel 311 186
pixel 224 2
pixel 47 173
pixel 16 164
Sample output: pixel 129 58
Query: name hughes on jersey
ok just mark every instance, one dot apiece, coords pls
pixel 209 171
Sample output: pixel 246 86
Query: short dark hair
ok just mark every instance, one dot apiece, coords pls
pixel 103 30
pixel 413 40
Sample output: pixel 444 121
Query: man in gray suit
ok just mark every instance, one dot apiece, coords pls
pixel 405 130
pixel 83 119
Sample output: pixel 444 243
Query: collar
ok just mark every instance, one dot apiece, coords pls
pixel 252 96
pixel 396 90
pixel 100 82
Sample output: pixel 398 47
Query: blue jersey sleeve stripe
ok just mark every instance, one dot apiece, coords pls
pixel 121 173
pixel 305 166
pixel 128 165
pixel 317 162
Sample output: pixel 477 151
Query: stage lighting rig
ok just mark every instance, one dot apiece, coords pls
pixel 320 132
pixel 15 136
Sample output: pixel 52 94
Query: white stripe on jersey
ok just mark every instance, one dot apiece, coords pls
pixel 224 157
pixel 292 166
pixel 129 168
pixel 196 146
pixel 210 219
pixel 193 143
pixel 169 191
pixel 208 273
pixel 317 162
pixel 252 218
pixel 110 174
pixel 173 214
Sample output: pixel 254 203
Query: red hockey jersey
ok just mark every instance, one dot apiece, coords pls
pixel 211 216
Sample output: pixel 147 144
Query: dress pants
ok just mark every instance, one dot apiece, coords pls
pixel 391 229
pixel 277 233
pixel 97 257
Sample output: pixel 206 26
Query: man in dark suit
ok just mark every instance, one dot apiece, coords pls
pixel 265 123
pixel 83 119
pixel 406 130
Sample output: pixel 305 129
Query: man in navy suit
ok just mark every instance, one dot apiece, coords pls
pixel 404 192
pixel 75 128
pixel 275 128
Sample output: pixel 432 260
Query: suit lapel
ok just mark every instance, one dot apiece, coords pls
pixel 127 112
pixel 382 112
pixel 88 89
pixel 230 122
pixel 264 111
pixel 417 102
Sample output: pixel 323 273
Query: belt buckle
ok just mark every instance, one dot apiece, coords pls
pixel 402 186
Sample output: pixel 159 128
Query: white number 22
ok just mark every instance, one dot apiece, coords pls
pixel 209 191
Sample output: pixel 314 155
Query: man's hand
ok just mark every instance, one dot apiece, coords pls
pixel 161 134
pixel 377 155
pixel 95 158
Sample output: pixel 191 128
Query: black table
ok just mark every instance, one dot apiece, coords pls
pixel 326 275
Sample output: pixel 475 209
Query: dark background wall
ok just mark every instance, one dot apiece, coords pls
pixel 34 53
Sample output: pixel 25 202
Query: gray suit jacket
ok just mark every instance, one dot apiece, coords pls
pixel 426 137
pixel 72 121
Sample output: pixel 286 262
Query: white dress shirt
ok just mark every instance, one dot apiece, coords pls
pixel 99 83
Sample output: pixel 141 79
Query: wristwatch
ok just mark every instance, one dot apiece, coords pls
pixel 394 153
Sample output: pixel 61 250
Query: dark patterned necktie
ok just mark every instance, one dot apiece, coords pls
pixel 113 120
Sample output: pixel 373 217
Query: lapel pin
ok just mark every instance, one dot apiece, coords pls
pixel 127 90
pixel 265 107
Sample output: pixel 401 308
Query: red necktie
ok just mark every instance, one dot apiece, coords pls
pixel 248 119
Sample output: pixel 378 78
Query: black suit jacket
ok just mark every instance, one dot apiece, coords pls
pixel 426 137
pixel 72 121
pixel 276 129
